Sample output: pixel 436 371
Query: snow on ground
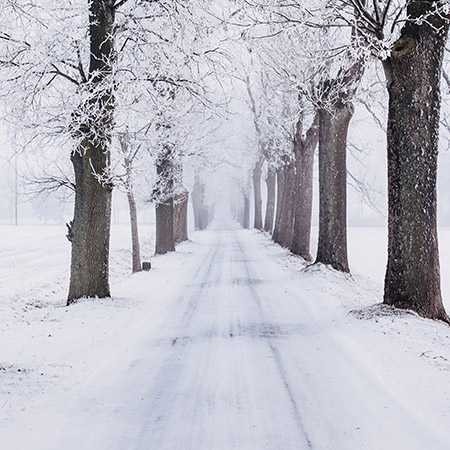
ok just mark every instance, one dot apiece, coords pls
pixel 229 343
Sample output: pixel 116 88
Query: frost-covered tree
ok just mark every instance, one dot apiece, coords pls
pixel 131 158
pixel 257 168
pixel 413 75
pixel 290 59
pixel 266 105
pixel 73 76
pixel 182 66
pixel 323 68
pixel 60 64
pixel 409 37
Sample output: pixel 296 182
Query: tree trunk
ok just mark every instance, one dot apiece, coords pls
pixel 205 217
pixel 257 194
pixel 165 241
pixel 280 190
pixel 287 207
pixel 164 227
pixel 332 243
pixel 128 183
pixel 180 225
pixel 198 195
pixel 304 163
pixel 236 209
pixel 136 252
pixel 239 215
pixel 246 220
pixel 271 193
pixel 414 71
pixel 89 231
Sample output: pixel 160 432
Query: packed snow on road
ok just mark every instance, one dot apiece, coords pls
pixel 229 343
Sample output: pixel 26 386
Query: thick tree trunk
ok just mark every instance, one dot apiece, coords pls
pixel 414 71
pixel 180 225
pixel 287 207
pixel 280 189
pixel 165 241
pixel 90 229
pixel 271 199
pixel 164 227
pixel 332 243
pixel 304 163
pixel 136 252
pixel 257 194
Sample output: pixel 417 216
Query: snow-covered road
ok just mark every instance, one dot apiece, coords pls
pixel 234 352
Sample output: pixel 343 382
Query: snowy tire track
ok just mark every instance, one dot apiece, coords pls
pixel 231 353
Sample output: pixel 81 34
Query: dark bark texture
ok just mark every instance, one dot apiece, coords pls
pixel 280 189
pixel 258 224
pixel 332 242
pixel 164 239
pixel 286 230
pixel 304 164
pixel 136 251
pixel 271 199
pixel 90 228
pixel 180 224
pixel 413 72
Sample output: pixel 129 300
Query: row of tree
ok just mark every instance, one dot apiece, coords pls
pixel 319 82
pixel 117 84
pixel 131 89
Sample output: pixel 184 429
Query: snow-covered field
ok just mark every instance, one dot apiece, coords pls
pixel 229 343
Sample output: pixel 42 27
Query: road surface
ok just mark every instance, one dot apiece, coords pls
pixel 238 355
